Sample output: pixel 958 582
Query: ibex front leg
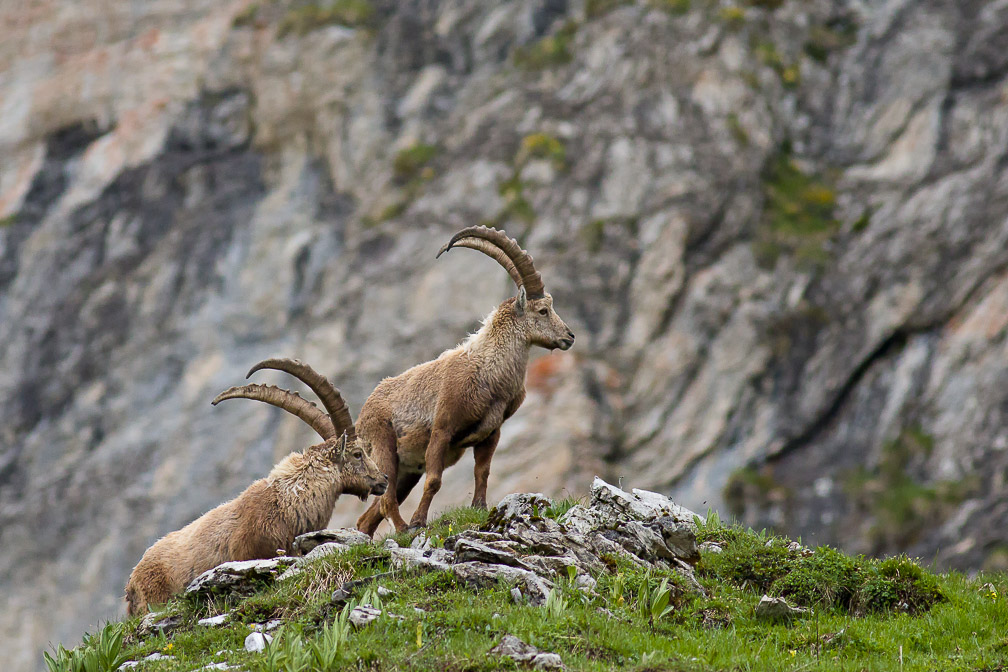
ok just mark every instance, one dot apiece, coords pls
pixel 434 465
pixel 483 452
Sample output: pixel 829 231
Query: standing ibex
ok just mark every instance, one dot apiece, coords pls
pixel 425 418
pixel 296 497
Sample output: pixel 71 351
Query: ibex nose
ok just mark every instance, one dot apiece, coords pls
pixel 570 334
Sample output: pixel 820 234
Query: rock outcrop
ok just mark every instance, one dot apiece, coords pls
pixel 779 229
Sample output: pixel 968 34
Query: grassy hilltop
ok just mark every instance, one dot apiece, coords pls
pixel 861 614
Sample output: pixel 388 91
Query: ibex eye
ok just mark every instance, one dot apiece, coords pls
pixel 543 311
pixel 357 455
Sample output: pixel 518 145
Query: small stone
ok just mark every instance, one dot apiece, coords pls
pixel 711 547
pixel 257 641
pixel 217 666
pixel 517 650
pixel 305 543
pixel 586 583
pixel 547 661
pixel 517 596
pixel 237 577
pixel 390 544
pixel 158 623
pixel 213 621
pixel 154 656
pixel 383 592
pixel 421 542
pixel 364 615
pixel 268 626
pixel 777 607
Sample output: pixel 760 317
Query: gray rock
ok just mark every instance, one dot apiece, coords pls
pixel 517 650
pixel 363 615
pixel 238 577
pixel 218 666
pixel 257 641
pixel 130 664
pixel 158 623
pixel 434 558
pixel 213 621
pixel 777 608
pixel 467 550
pixel 481 574
pixel 345 537
pixel 519 508
pixel 268 626
pixel 421 542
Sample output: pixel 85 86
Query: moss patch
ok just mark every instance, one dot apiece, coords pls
pixel 409 164
pixel 798 214
pixel 674 7
pixel 820 578
pixel 834 35
pixel 542 146
pixel 304 18
pixel 550 51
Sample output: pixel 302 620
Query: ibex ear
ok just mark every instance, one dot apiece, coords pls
pixel 341 444
pixel 521 301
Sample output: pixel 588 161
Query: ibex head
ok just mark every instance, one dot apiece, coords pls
pixel 359 474
pixel 533 306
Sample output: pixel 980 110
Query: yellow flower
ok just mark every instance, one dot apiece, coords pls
pixel 792 652
pixel 168 648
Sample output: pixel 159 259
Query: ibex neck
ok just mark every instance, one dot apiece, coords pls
pixel 500 348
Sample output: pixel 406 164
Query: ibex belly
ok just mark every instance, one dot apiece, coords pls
pixel 491 421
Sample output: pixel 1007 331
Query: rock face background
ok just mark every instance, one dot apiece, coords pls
pixel 779 229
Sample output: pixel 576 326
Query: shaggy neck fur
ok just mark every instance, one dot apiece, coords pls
pixel 305 482
pixel 500 347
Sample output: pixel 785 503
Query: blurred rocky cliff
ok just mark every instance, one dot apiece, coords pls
pixel 779 229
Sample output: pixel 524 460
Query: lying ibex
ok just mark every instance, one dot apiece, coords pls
pixel 425 418
pixel 296 497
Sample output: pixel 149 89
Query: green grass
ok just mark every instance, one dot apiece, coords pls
pixel 865 614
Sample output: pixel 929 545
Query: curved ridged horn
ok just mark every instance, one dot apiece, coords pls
pixel 521 268
pixel 285 399
pixel 320 385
